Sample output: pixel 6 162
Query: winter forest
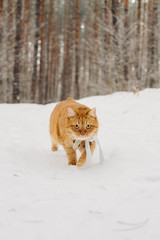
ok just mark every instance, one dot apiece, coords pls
pixel 52 49
pixel 105 54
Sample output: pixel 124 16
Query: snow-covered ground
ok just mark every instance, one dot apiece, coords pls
pixel 42 198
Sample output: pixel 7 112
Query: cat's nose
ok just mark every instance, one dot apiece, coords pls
pixel 82 133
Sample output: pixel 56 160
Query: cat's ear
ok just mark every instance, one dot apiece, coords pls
pixel 92 112
pixel 71 113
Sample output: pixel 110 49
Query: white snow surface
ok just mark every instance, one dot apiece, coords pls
pixel 42 198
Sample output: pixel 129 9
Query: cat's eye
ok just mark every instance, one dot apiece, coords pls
pixel 76 126
pixel 88 126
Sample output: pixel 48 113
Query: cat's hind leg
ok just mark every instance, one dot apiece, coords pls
pixel 54 144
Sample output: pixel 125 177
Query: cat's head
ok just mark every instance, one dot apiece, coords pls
pixel 82 123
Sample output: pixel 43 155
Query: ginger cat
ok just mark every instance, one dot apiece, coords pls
pixel 72 122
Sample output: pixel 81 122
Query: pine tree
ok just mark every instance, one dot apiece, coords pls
pixel 1 36
pixel 50 54
pixel 107 42
pixel 42 79
pixel 126 45
pixel 77 59
pixel 26 37
pixel 17 55
pixel 115 42
pixel 10 48
pixel 153 46
pixel 35 58
pixel 66 80
pixel 138 39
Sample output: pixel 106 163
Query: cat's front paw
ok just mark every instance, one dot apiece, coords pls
pixel 54 148
pixel 81 162
pixel 72 162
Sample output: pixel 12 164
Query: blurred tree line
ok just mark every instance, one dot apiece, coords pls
pixel 52 49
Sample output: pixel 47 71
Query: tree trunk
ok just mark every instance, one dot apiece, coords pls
pixel 107 77
pixel 57 55
pixel 153 47
pixel 50 54
pixel 125 46
pixel 138 50
pixel 107 6
pixel 144 48
pixel 115 5
pixel 35 58
pixel 26 37
pixel 67 57
pixel 77 63
pixel 152 43
pixel 10 48
pixel 17 55
pixel 42 55
pixel 95 78
pixel 115 44
pixel 89 41
pixel 1 61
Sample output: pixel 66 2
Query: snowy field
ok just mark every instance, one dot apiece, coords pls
pixel 42 198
